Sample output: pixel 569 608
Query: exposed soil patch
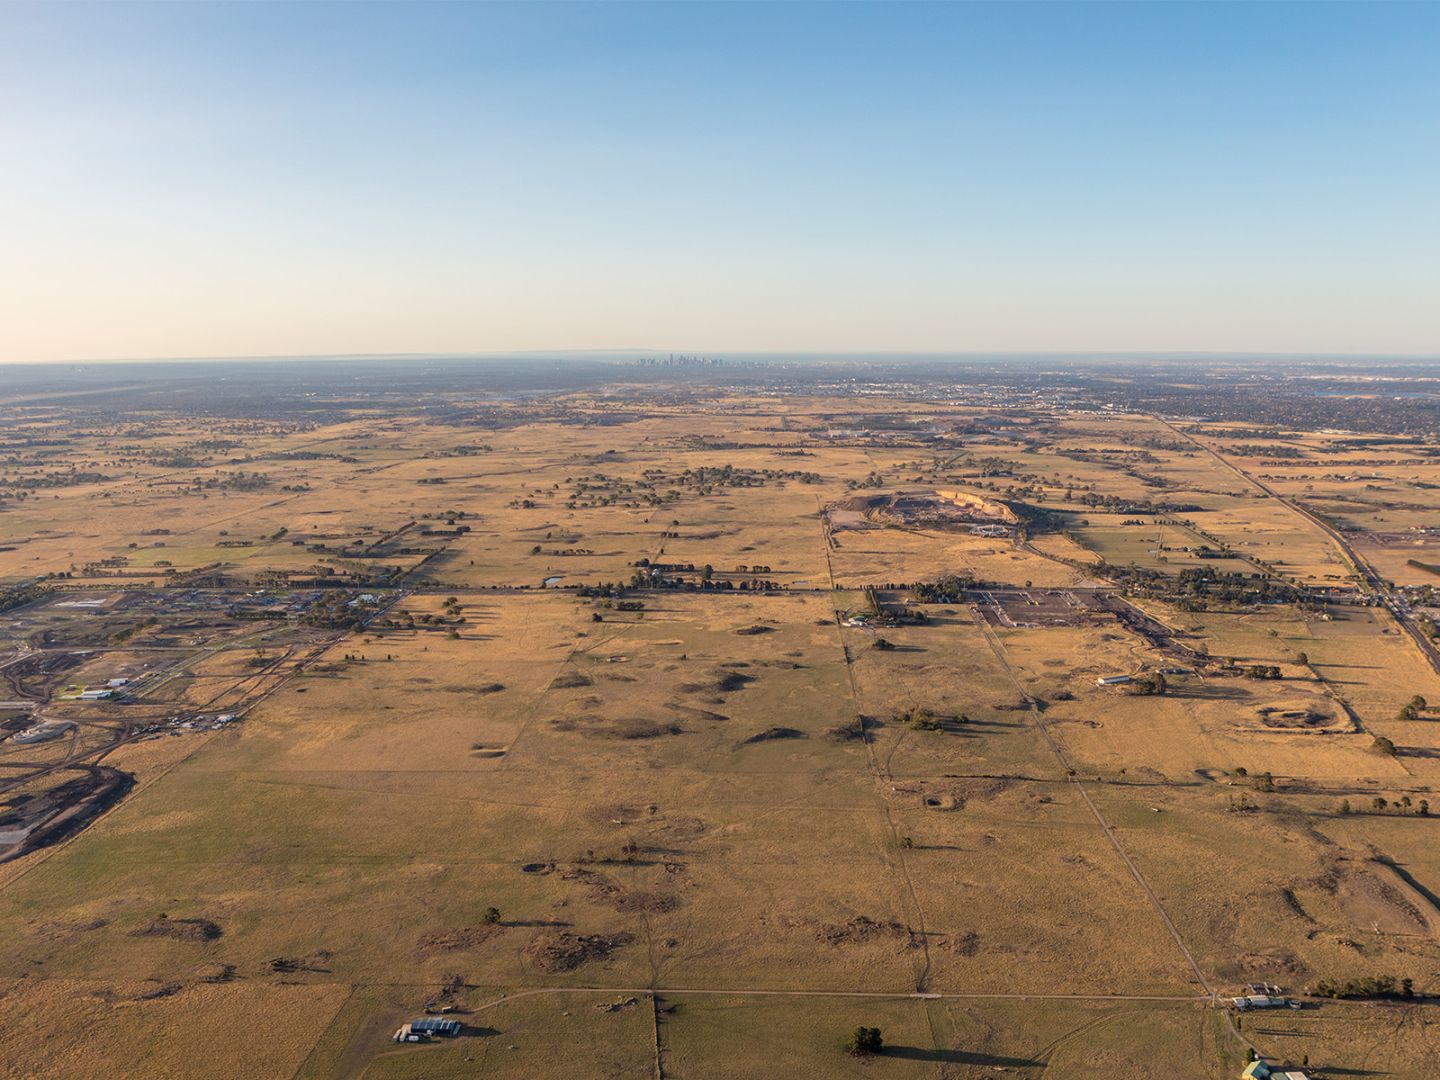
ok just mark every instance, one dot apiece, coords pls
pixel 180 929
pixel 860 930
pixel 464 937
pixel 772 733
pixel 1300 716
pixel 556 951
pixel 724 682
pixel 965 943
pixel 636 728
pixel 944 801
pixel 600 889
pixel 850 731
pixel 689 712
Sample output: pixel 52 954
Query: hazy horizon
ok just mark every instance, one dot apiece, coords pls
pixel 240 181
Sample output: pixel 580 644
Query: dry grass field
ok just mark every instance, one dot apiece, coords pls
pixel 608 666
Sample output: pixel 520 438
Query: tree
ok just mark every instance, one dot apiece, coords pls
pixel 864 1041
pixel 1344 806
pixel 1382 745
pixel 707 572
pixel 1380 804
pixel 491 916
pixel 1424 807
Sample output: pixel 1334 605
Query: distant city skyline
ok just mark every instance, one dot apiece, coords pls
pixel 243 180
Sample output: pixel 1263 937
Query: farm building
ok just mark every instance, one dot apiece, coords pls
pixel 1263 1070
pixel 436 1025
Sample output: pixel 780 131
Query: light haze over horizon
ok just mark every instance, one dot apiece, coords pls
pixel 255 179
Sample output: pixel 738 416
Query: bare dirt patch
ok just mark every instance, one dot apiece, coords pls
pixel 180 929
pixel 464 937
pixel 861 929
pixel 556 951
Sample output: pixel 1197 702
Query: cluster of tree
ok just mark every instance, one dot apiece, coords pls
pixel 1118 504
pixel 1263 781
pixel 656 487
pixel 949 589
pixel 333 610
pixel 125 633
pixel 603 589
pixel 664 576
pixel 1414 707
pixel 232 481
pixel 70 477
pixel 1197 588
pixel 1263 671
pixel 1381 805
pixel 14 596
pixel 922 717
pixel 1148 685
pixel 463 450
pixel 1368 986
pixel 872 480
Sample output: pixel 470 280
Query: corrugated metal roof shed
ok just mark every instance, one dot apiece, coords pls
pixel 435 1025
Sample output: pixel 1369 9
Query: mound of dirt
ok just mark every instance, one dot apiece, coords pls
pixel 772 733
pixel 464 937
pixel 600 889
pixel 636 728
pixel 629 728
pixel 732 681
pixel 680 828
pixel 1307 715
pixel 850 731
pixel 859 931
pixel 689 712
pixel 180 929
pixel 556 951
pixel 965 943
pixel 944 801
pixel 1273 964
pixel 975 788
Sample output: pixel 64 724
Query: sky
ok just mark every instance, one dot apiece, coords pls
pixel 252 179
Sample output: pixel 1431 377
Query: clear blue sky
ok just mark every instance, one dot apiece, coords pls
pixel 249 179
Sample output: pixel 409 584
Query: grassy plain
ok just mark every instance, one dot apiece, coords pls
pixel 715 833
